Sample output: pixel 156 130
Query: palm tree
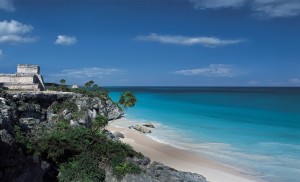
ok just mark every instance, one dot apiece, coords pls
pixel 63 81
pixel 89 83
pixel 127 99
pixel 62 87
pixel 95 86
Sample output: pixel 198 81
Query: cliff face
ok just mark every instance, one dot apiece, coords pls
pixel 33 111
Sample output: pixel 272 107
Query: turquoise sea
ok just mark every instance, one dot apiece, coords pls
pixel 256 130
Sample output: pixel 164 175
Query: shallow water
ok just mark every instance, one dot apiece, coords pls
pixel 253 129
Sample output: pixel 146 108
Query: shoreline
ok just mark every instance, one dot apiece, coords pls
pixel 179 159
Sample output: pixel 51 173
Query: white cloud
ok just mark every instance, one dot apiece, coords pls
pixel 264 8
pixel 7 5
pixel 94 72
pixel 277 8
pixel 213 70
pixel 15 32
pixel 14 27
pixel 214 4
pixel 294 80
pixel 16 39
pixel 65 40
pixel 188 41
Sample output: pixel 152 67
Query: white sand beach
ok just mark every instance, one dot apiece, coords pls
pixel 178 158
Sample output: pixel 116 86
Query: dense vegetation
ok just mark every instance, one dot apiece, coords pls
pixel 80 154
pixel 90 89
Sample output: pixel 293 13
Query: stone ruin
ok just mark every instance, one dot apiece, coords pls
pixel 28 77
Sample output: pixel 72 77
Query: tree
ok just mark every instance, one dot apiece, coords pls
pixel 89 83
pixel 127 99
pixel 63 81
pixel 63 86
pixel 95 87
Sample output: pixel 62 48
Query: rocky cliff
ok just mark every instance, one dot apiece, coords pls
pixel 38 112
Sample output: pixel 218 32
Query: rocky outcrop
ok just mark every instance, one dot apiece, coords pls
pixel 14 165
pixel 36 107
pixel 142 129
pixel 157 172
pixel 118 134
pixel 149 125
pixel 32 112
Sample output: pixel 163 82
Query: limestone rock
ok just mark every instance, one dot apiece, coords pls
pixel 157 172
pixel 142 129
pixel 149 125
pixel 118 134
pixel 5 137
pixel 68 116
pixel 74 123
pixel 143 161
pixel 164 173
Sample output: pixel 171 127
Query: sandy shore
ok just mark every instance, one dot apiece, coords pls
pixel 178 158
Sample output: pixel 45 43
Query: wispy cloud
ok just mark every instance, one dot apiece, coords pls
pixel 7 5
pixel 294 80
pixel 262 8
pixel 15 32
pixel 277 8
pixel 94 72
pixel 188 41
pixel 1 53
pixel 214 4
pixel 213 70
pixel 65 40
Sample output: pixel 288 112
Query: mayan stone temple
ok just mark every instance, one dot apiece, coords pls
pixel 28 77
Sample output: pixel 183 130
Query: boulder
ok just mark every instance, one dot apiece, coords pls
pixel 28 123
pixel 161 172
pixel 85 120
pixel 143 161
pixel 118 134
pixel 149 125
pixel 68 116
pixel 73 123
pixel 65 112
pixel 142 129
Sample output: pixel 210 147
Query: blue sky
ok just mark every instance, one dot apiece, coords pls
pixel 154 42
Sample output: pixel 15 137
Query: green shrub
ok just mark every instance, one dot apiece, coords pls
pixel 100 122
pixel 78 115
pixel 84 167
pixel 59 107
pixel 23 140
pixel 126 167
pixel 62 143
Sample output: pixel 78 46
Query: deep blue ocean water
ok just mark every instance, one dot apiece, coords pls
pixel 256 130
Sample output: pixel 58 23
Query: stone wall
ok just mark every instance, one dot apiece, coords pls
pixel 16 79
pixel 28 69
pixel 23 86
